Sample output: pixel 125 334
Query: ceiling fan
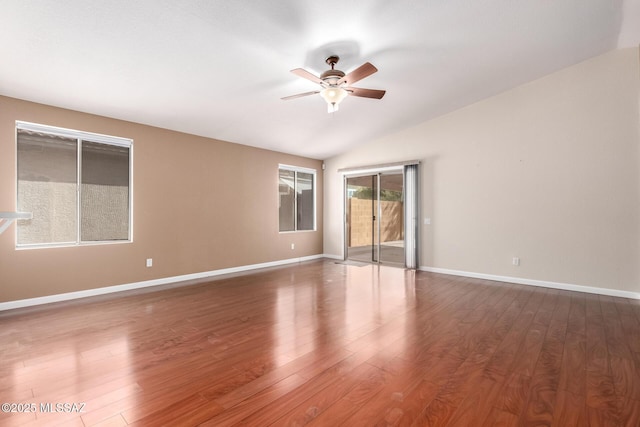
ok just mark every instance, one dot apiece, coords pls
pixel 336 85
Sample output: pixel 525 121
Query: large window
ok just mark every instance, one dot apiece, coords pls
pixel 297 198
pixel 77 185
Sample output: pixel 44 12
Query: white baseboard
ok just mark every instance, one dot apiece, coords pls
pixel 10 305
pixel 531 282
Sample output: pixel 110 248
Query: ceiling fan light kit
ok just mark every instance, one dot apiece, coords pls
pixel 336 84
pixel 333 97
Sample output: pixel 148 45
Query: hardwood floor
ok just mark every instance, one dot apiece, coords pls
pixel 326 344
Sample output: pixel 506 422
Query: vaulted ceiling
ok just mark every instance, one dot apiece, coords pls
pixel 219 68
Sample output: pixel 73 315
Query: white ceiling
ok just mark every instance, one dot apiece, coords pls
pixel 219 68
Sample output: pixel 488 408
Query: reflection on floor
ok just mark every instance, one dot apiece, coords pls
pixel 390 253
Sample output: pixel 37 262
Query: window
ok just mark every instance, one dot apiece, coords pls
pixel 77 185
pixel 297 198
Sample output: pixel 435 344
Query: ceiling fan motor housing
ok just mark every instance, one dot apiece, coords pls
pixel 332 76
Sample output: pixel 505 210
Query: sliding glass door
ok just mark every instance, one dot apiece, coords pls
pixel 375 218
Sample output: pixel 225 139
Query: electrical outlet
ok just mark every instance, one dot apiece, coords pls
pixel 149 262
pixel 293 246
pixel 515 261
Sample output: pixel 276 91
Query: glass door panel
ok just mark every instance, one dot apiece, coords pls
pixel 360 224
pixel 391 219
pixel 375 218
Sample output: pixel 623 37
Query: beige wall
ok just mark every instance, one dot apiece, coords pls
pixel 548 172
pixel 199 205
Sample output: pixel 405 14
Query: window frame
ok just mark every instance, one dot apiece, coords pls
pixel 313 173
pixel 79 136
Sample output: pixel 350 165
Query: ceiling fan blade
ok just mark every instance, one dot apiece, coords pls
pixel 300 95
pixel 306 75
pixel 366 93
pixel 359 73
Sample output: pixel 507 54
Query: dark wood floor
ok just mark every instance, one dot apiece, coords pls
pixel 327 344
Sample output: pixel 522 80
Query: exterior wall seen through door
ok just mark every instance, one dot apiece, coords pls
pixel 360 229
